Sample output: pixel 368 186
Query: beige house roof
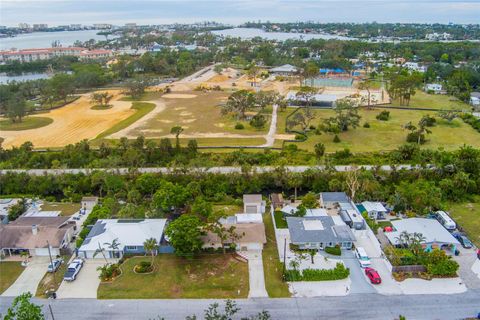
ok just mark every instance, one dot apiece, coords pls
pixel 19 233
pixel 249 232
pixel 252 198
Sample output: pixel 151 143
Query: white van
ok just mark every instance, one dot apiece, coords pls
pixel 446 221
pixel 362 257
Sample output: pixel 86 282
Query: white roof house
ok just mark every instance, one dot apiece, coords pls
pixel 129 233
pixel 285 69
pixel 289 209
pixel 431 229
pixel 475 99
pixel 317 212
pixel 375 210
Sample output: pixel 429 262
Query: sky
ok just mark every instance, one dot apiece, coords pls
pixel 61 12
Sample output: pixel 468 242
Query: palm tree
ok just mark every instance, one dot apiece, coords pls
pixel 177 130
pixel 151 245
pixel 100 250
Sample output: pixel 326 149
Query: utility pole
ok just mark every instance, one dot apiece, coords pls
pixel 53 267
pixel 51 311
pixel 284 257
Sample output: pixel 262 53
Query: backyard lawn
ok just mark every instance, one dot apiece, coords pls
pixel 9 272
pixel 209 276
pixel 280 221
pixel 272 267
pixel 229 209
pixel 389 135
pixel 66 208
pixel 467 215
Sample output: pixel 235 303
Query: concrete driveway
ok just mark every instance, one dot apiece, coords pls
pixel 86 284
pixel 359 281
pixel 388 285
pixel 466 260
pixel 30 278
pixel 255 274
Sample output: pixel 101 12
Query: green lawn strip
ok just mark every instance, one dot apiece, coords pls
pixel 272 267
pixel 142 109
pixel 389 135
pixel 208 276
pixel 66 208
pixel 147 96
pixel 467 216
pixel 9 272
pixel 101 107
pixel 26 124
pixel 435 101
pixel 280 221
pixel 48 281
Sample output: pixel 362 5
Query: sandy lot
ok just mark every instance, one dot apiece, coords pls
pixel 71 124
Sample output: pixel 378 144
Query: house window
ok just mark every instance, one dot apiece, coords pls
pixel 131 248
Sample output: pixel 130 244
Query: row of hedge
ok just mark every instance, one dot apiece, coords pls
pixel 336 251
pixel 471 120
pixel 338 273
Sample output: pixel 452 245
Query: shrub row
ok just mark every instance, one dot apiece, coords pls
pixel 336 251
pixel 338 273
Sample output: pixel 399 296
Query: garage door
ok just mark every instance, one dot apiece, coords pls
pixel 251 209
pixel 44 252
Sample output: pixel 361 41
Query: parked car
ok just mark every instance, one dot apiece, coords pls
pixel 73 270
pixel 373 275
pixel 54 265
pixel 362 257
pixel 464 241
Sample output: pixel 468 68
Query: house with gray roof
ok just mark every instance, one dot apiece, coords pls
pixel 330 199
pixel 319 232
pixel 285 70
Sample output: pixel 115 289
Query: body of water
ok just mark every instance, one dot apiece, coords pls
pixel 45 39
pixel 249 33
pixel 4 78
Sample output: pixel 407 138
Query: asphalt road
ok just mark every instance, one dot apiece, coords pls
pixel 353 306
pixel 41 172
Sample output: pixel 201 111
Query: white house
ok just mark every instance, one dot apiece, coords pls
pixel 130 234
pixel 414 66
pixel 375 210
pixel 285 70
pixel 253 203
pixel 434 87
pixel 475 99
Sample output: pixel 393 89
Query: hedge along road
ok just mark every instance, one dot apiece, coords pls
pixel 225 170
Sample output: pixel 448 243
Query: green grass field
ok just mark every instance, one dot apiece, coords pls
pixel 142 109
pixel 66 208
pixel 229 209
pixel 467 215
pixel 212 276
pixel 422 99
pixel 9 272
pixel 389 135
pixel 272 267
pixel 197 115
pixel 26 124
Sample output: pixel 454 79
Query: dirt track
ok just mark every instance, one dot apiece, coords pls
pixel 71 124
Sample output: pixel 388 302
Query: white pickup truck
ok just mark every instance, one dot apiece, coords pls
pixel 73 269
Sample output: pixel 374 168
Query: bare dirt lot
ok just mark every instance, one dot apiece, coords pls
pixel 72 123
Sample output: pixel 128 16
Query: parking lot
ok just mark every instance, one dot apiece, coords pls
pixel 86 284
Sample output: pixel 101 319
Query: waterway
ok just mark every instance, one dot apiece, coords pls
pixel 45 39
pixel 249 33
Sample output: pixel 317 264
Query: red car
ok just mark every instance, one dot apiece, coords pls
pixel 373 275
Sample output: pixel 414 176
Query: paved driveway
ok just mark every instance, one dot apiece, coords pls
pixel 30 278
pixel 86 284
pixel 357 275
pixel 466 260
pixel 255 273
